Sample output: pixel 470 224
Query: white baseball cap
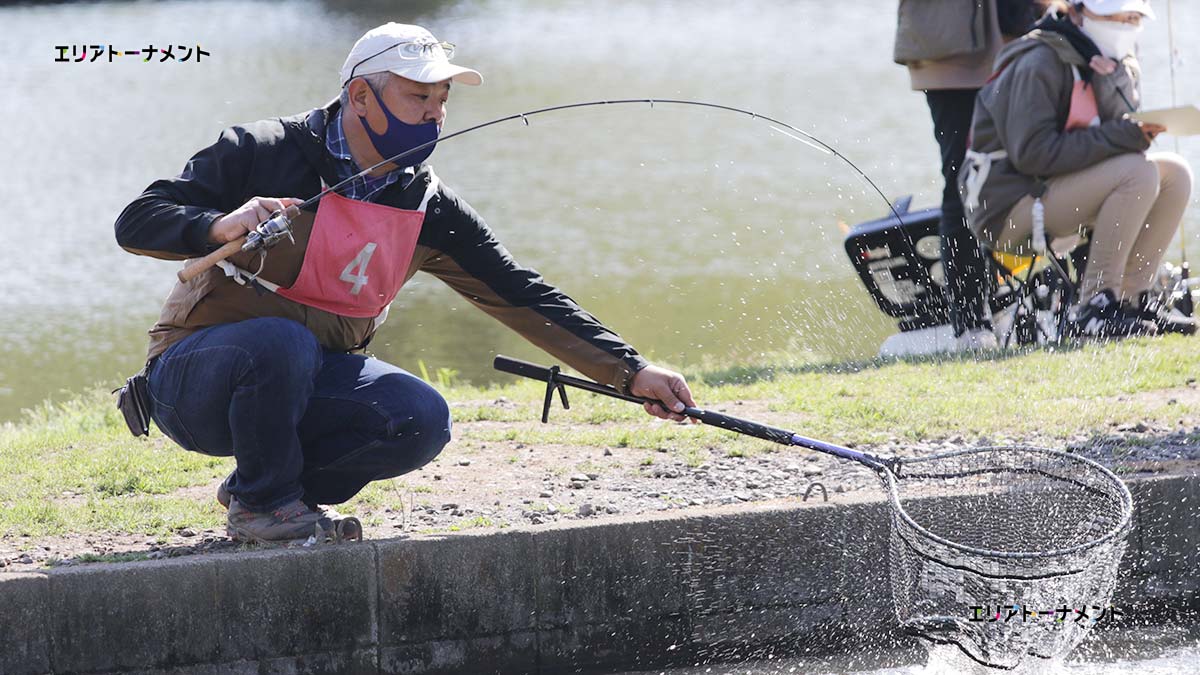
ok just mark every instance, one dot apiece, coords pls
pixel 408 51
pixel 1107 7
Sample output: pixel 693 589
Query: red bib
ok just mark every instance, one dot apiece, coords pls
pixel 357 256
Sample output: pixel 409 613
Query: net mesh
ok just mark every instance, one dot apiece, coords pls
pixel 985 543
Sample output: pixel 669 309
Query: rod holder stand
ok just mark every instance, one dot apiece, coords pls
pixel 553 383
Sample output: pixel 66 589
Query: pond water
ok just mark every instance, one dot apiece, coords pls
pixel 701 236
pixel 1163 650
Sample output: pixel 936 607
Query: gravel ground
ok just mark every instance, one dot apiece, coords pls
pixel 475 485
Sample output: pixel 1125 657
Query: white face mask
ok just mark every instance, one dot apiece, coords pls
pixel 1114 39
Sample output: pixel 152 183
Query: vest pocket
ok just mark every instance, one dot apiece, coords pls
pixel 184 298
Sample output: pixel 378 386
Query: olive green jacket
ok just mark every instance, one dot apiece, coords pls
pixel 1024 112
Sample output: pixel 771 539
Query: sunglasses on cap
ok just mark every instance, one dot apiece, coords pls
pixel 410 50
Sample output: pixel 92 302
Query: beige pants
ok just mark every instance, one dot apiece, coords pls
pixel 1130 205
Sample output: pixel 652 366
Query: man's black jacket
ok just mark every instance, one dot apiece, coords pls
pixel 286 157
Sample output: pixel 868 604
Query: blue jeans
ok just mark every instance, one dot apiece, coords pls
pixel 303 422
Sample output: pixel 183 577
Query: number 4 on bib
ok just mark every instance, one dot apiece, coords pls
pixel 356 272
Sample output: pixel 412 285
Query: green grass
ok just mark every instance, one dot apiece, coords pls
pixel 72 467
pixel 111 557
pixel 470 523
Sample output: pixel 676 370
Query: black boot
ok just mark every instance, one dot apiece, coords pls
pixel 1103 318
pixel 1166 317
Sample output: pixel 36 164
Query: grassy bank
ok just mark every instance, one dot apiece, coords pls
pixel 73 468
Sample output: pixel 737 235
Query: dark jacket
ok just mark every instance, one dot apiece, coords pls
pixel 286 157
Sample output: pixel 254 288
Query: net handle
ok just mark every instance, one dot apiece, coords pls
pixel 555 380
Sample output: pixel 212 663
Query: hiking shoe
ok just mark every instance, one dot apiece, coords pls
pixel 1103 318
pixel 335 525
pixel 291 521
pixel 223 496
pixel 1165 317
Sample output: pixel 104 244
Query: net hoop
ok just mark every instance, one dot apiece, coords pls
pixel 1117 530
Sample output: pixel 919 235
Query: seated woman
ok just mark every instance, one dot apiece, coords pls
pixel 1054 154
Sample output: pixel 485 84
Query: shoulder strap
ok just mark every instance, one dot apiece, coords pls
pixel 430 189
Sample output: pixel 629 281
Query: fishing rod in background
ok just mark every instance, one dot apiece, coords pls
pixel 279 225
pixel 1185 303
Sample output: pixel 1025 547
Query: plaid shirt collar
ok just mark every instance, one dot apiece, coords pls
pixel 363 188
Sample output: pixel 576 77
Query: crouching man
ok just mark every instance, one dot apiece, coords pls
pixel 261 357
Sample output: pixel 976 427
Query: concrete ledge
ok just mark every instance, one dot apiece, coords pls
pixel 113 617
pixel 24 639
pixel 631 593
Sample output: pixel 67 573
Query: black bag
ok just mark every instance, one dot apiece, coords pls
pixel 133 400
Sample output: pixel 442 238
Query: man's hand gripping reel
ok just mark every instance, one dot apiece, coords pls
pixel 271 231
pixel 268 233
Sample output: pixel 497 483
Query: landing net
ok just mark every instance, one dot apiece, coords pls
pixel 1009 555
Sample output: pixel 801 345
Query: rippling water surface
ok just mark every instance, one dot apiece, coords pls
pixel 1164 650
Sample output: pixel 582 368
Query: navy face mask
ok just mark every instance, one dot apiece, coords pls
pixel 400 137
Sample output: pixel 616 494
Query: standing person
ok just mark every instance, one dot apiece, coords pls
pixel 267 366
pixel 1054 153
pixel 949 46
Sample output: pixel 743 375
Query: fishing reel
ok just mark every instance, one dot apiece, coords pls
pixel 271 231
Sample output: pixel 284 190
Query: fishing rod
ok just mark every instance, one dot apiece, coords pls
pixel 279 225
pixel 1186 306
pixel 556 381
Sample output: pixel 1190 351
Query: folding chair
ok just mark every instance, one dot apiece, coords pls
pixel 898 259
pixel 1034 291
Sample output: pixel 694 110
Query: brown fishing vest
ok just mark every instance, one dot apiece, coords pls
pixel 215 297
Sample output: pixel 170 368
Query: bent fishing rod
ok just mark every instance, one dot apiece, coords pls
pixel 278 226
pixel 556 381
